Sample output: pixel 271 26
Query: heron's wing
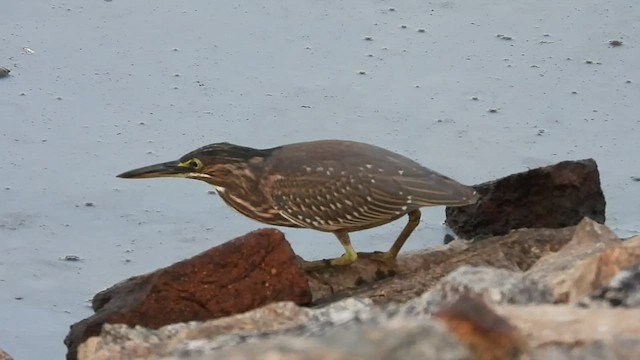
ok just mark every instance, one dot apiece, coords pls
pixel 328 202
pixel 335 184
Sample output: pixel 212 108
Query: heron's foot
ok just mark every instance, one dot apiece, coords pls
pixel 345 260
pixel 387 258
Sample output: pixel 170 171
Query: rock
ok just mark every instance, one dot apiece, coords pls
pixel 419 271
pixel 242 274
pixel 396 339
pixel 4 72
pixel 349 329
pixel 623 290
pixel 555 331
pixel 592 258
pixel 549 197
pixel 4 355
pixel 487 335
pixel 496 286
pixel 357 329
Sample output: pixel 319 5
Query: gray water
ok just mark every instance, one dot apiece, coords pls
pixel 100 87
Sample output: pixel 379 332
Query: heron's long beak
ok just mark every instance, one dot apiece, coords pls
pixel 166 169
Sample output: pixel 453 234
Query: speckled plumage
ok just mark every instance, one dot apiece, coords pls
pixel 328 185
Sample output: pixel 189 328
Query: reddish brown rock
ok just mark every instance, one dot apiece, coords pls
pixel 554 196
pixel 488 335
pixel 242 274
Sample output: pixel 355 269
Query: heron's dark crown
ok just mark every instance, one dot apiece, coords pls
pixel 226 153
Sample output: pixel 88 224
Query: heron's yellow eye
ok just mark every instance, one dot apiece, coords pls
pixel 196 163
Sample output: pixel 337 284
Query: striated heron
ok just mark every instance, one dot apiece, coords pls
pixel 329 185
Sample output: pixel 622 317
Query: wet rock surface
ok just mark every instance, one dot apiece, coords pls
pixel 554 196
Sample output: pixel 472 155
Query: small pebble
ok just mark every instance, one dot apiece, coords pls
pixel 628 82
pixel 474 98
pixel 89 204
pixel 362 72
pixel 403 26
pixel 368 38
pixel 493 110
pixel 392 9
pixel 635 178
pixel 421 30
pixel 448 238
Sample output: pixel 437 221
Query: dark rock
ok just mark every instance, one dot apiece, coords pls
pixel 555 196
pixel 488 335
pixel 237 276
pixel 4 72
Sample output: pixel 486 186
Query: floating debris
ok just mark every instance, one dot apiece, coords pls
pixel 615 43
pixel 70 258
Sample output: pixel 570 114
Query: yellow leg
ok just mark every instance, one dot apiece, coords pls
pixel 350 255
pixel 414 220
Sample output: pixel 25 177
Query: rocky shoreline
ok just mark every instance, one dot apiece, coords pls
pixel 542 278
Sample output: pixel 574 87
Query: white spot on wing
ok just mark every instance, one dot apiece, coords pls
pixel 400 172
